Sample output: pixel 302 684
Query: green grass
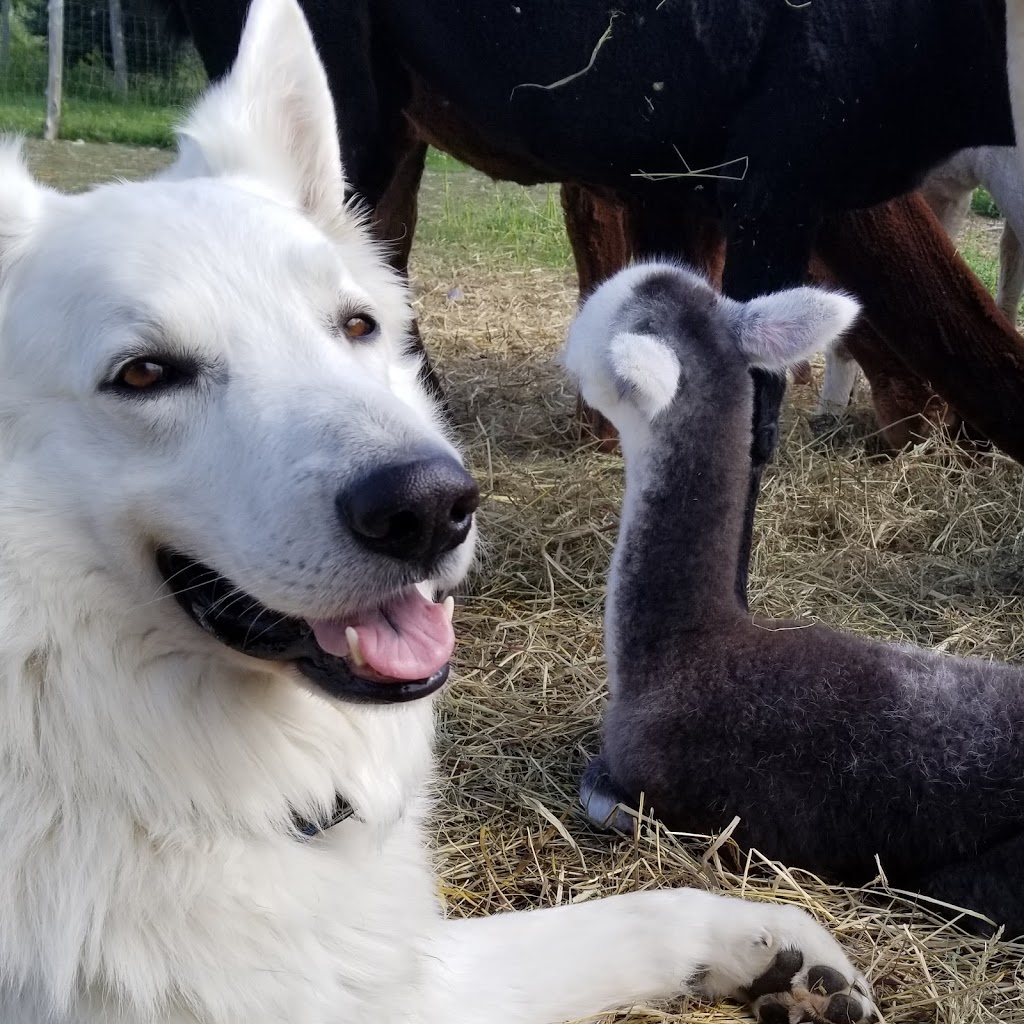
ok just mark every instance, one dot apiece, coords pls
pixel 983 204
pixel 134 124
pixel 438 161
pixel 465 215
pixel 978 244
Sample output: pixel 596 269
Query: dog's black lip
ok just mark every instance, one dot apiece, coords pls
pixel 242 623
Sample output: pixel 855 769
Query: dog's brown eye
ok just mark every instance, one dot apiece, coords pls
pixel 359 327
pixel 143 373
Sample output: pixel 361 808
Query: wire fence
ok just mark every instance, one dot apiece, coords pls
pixel 113 54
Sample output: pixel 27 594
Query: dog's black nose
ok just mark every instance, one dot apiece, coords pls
pixel 415 511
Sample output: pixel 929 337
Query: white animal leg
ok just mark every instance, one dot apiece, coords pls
pixel 1011 274
pixel 837 387
pixel 549 966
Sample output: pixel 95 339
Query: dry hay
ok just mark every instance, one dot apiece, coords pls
pixel 927 547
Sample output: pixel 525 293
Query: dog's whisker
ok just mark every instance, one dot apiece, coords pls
pixel 179 590
pixel 276 622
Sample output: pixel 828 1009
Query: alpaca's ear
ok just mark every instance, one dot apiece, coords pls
pixel 645 369
pixel 776 331
pixel 21 204
pixel 271 118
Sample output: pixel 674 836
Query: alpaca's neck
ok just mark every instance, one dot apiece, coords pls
pixel 678 550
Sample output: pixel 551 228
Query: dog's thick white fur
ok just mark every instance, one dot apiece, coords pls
pixel 149 776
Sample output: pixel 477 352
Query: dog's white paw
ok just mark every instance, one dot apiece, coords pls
pixel 788 968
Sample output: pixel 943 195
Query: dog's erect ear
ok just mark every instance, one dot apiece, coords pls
pixel 271 118
pixel 776 331
pixel 21 203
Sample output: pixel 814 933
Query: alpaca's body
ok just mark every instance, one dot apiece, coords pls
pixel 830 747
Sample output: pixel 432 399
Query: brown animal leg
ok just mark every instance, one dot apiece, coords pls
pixel 911 287
pixel 595 221
pixel 906 407
pixel 607 230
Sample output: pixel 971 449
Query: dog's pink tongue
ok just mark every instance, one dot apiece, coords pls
pixel 410 639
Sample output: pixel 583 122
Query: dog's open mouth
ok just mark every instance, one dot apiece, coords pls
pixel 396 652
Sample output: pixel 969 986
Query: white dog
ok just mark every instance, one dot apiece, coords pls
pixel 203 379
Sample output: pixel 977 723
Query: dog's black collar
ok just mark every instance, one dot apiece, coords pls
pixel 342 810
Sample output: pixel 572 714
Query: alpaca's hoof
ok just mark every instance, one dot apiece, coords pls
pixel 825 424
pixel 603 804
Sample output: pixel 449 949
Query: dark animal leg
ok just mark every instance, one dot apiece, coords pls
pixel 760 258
pixel 989 884
pixel 394 221
pixel 906 407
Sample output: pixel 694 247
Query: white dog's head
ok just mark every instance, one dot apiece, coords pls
pixel 205 384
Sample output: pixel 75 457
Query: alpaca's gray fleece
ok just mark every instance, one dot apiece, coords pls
pixel 830 747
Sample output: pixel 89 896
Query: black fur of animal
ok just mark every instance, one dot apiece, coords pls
pixel 830 747
pixel 821 107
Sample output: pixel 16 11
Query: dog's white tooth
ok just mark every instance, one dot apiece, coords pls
pixel 355 652
pixel 448 604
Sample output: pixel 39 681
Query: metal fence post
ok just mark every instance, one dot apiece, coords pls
pixel 54 78
pixel 117 50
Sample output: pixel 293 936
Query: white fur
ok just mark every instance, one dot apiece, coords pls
pixel 632 377
pixel 610 384
pixel 1015 67
pixel 776 331
pixel 149 872
pixel 648 366
pixel 837 386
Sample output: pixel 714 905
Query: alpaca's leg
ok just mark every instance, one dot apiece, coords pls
pixel 606 231
pixel 597 228
pixel 837 387
pixel 1011 274
pixel 561 964
pixel 988 884
pixel 948 192
pixel 394 221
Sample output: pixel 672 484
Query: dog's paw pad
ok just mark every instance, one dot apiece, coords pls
pixel 826 981
pixel 772 1013
pixel 779 975
pixel 786 994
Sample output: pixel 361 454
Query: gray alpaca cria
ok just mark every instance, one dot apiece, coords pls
pixel 830 747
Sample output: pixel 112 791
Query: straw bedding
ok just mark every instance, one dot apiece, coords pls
pixel 928 547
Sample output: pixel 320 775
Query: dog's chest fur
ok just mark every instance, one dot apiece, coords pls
pixel 231 930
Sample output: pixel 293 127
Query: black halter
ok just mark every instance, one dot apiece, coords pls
pixel 342 810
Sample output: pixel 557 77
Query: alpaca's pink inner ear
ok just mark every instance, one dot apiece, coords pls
pixel 778 330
